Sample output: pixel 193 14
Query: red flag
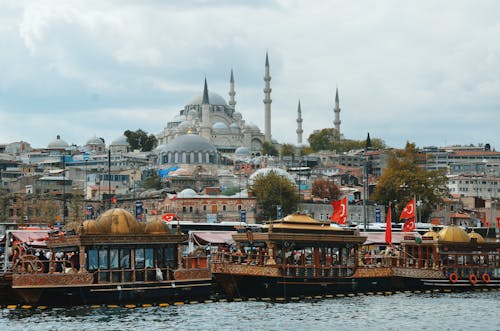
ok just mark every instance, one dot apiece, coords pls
pixel 168 217
pixel 113 199
pixel 388 227
pixel 408 211
pixel 339 214
pixel 409 225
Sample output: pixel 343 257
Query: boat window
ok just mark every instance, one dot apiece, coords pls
pixel 169 256
pixel 103 258
pixel 125 258
pixel 139 258
pixel 92 259
pixel 149 257
pixel 113 258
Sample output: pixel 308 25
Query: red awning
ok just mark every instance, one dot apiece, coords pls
pixel 31 237
pixel 213 237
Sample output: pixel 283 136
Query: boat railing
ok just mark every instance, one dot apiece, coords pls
pixel 129 275
pixel 466 271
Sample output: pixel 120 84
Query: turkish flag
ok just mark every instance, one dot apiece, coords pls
pixel 408 211
pixel 409 225
pixel 168 217
pixel 339 214
pixel 388 227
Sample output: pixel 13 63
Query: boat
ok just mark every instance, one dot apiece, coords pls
pixel 295 256
pixel 448 259
pixel 112 260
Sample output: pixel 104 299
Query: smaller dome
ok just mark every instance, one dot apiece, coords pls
pixel 187 193
pixel 219 126
pixel 433 234
pixel 58 143
pixel 157 227
pixel 118 221
pixel 120 141
pixel 95 141
pixel 237 115
pixel 453 233
pixel 184 125
pixel 242 151
pixel 266 171
pixel 474 235
pixel 234 125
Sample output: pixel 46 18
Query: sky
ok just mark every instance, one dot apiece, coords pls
pixel 427 72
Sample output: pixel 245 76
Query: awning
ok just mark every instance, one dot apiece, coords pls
pixel 213 237
pixel 378 238
pixel 31 237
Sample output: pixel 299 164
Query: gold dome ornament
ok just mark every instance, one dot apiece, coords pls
pixel 453 233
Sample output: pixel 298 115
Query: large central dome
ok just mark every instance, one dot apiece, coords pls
pixel 213 99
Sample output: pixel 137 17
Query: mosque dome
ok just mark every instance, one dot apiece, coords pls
pixel 237 115
pixel 120 141
pixel 213 99
pixel 234 125
pixel 187 193
pixel 117 221
pixel 266 171
pixel 189 143
pixel 477 236
pixel 58 143
pixel 95 141
pixel 184 125
pixel 453 233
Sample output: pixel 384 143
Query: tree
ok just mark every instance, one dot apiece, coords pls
pixel 287 150
pixel 325 189
pixel 404 179
pixel 152 182
pixel 76 205
pixel 273 190
pixel 325 140
pixel 322 140
pixel 269 149
pixel 140 140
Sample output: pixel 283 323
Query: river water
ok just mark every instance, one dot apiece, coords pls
pixel 436 311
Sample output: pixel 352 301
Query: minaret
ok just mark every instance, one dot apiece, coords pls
pixel 267 103
pixel 232 102
pixel 336 110
pixel 299 125
pixel 205 113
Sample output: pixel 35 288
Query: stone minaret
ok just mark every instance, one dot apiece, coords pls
pixel 336 110
pixel 267 103
pixel 232 93
pixel 205 113
pixel 299 125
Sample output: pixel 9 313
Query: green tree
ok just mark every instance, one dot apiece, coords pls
pixel 287 150
pixel 269 149
pixel 322 140
pixel 152 182
pixel 273 190
pixel 325 189
pixel 325 140
pixel 404 179
pixel 140 140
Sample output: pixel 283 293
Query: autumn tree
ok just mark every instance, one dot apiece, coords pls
pixel 269 149
pixel 404 179
pixel 274 190
pixel 140 140
pixel 325 189
pixel 287 150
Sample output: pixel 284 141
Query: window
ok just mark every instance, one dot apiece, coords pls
pixel 125 258
pixel 139 258
pixel 103 258
pixel 149 257
pixel 92 259
pixel 113 258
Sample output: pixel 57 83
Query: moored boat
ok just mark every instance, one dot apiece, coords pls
pixel 113 260
pixel 295 256
pixel 452 259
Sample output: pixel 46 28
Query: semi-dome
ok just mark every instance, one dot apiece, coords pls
pixel 453 233
pixel 58 143
pixel 213 99
pixel 242 151
pixel 189 143
pixel 120 141
pixel 234 125
pixel 474 235
pixel 117 221
pixel 219 126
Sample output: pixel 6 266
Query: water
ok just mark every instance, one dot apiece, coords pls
pixel 439 311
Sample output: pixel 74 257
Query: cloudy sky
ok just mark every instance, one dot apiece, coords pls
pixel 426 71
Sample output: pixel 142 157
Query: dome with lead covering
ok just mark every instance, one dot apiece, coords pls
pixel 189 143
pixel 266 171
pixel 120 141
pixel 58 143
pixel 213 99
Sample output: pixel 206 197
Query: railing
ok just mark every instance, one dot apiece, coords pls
pixel 133 275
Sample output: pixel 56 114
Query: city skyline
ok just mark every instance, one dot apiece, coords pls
pixel 427 73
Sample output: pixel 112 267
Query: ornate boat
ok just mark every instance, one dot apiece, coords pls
pixel 113 260
pixel 295 256
pixel 451 258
